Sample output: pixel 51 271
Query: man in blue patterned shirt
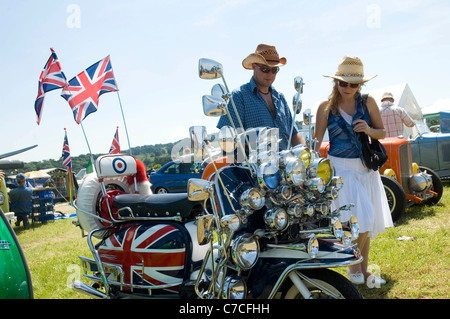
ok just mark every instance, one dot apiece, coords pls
pixel 258 103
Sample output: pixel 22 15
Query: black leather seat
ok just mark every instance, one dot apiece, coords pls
pixel 155 205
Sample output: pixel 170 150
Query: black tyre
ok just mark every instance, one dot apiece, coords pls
pixel 437 185
pixel 161 190
pixel 330 280
pixel 395 195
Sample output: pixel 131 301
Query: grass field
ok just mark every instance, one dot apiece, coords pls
pixel 414 269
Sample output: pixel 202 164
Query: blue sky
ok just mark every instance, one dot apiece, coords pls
pixel 155 47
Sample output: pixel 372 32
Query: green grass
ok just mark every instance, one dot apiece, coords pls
pixel 415 269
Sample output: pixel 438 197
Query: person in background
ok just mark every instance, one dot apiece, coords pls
pixel 345 114
pixel 393 116
pixel 21 201
pixel 258 103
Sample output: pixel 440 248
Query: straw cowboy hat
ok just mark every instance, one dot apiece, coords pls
pixel 264 54
pixel 351 70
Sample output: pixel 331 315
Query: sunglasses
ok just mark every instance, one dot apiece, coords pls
pixel 265 69
pixel 345 84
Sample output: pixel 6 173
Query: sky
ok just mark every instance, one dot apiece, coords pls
pixel 155 47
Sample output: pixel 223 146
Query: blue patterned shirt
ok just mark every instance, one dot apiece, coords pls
pixel 253 111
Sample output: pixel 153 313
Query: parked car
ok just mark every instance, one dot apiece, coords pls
pixel 405 182
pixel 173 176
pixel 431 150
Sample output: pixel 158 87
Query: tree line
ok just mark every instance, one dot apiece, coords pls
pixel 153 156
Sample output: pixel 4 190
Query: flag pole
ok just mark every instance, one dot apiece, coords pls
pixel 121 109
pixel 124 122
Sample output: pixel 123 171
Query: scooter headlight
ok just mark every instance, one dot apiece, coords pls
pixel 322 167
pixel 303 153
pixel 276 219
pixel 252 198
pixel 316 184
pixel 269 175
pixel 232 222
pixel 295 172
pixel 234 288
pixel 245 251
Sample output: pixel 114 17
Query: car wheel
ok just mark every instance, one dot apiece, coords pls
pixel 437 185
pixel 396 197
pixel 161 190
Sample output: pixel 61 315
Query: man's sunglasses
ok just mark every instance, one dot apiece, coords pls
pixel 265 69
pixel 345 84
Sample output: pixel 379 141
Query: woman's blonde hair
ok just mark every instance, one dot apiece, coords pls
pixel 334 98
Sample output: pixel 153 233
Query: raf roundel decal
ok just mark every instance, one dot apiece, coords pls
pixel 119 165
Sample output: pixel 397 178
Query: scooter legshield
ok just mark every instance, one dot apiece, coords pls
pixel 149 254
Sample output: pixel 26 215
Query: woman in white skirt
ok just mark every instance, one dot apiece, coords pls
pixel 345 114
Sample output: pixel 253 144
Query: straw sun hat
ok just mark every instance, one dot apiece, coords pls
pixel 351 70
pixel 264 54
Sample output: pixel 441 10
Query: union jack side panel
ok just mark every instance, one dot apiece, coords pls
pixel 149 254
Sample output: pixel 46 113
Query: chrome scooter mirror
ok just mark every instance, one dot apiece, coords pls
pixel 218 90
pixel 209 69
pixel 214 106
pixel 204 229
pixel 198 189
pixel 198 136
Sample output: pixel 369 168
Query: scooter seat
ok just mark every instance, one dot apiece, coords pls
pixel 154 205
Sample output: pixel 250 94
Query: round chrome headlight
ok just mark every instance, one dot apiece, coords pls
pixel 269 175
pixel 285 156
pixel 303 153
pixel 252 198
pixel 276 219
pixel 337 182
pixel 232 222
pixel 316 184
pixel 234 288
pixel 295 172
pixel 245 251
pixel 322 167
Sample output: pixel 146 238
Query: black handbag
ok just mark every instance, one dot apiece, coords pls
pixel 374 153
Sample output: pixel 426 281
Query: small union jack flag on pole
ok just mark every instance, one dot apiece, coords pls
pixel 115 145
pixel 84 90
pixel 51 78
pixel 67 160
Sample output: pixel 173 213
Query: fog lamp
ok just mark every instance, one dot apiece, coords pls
pixel 252 198
pixel 322 167
pixel 269 175
pixel 245 251
pixel 303 153
pixel 337 182
pixel 232 222
pixel 276 219
pixel 338 231
pixel 316 184
pixel 234 288
pixel 295 172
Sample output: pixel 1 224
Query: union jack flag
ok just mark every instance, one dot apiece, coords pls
pixel 84 90
pixel 148 254
pixel 67 160
pixel 115 145
pixel 51 78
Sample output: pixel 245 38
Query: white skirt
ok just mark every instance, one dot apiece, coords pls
pixel 363 188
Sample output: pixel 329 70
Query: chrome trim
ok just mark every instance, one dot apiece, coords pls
pixel 297 266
